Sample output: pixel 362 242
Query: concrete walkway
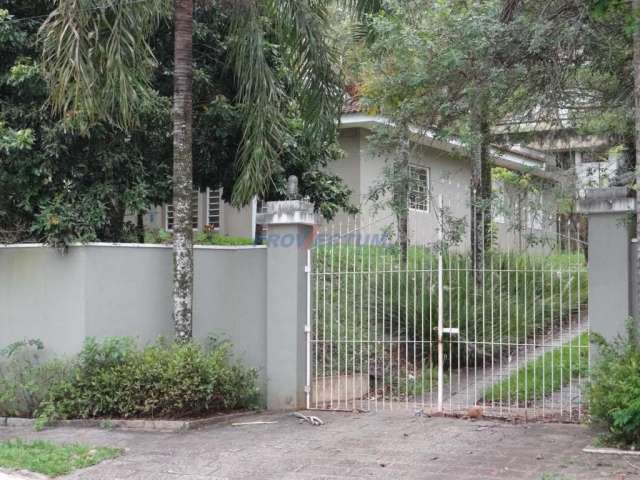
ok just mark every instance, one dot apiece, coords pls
pixel 349 446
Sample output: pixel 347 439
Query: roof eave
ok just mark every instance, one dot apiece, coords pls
pixel 502 157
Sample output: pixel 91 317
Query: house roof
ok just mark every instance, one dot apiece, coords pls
pixel 514 157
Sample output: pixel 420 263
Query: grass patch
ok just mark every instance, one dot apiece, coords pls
pixel 544 375
pixel 51 459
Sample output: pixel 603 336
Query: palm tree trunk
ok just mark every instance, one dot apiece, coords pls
pixel 182 171
pixel 635 5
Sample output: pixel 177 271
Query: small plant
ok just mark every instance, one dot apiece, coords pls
pixel 51 459
pixel 614 391
pixel 25 379
pixel 209 236
pixel 157 235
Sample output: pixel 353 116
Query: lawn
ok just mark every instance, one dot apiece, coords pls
pixel 544 375
pixel 51 459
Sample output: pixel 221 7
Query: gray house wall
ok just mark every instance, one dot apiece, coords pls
pixel 450 176
pixel 238 222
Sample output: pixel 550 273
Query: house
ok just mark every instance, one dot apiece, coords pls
pixel 439 170
pixel 209 209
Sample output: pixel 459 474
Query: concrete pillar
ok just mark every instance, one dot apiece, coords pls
pixel 611 272
pixel 290 230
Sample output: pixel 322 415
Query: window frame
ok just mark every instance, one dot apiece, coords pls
pixel 208 209
pixel 169 206
pixel 412 205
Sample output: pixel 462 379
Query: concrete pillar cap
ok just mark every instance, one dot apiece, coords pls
pixel 288 212
pixel 607 200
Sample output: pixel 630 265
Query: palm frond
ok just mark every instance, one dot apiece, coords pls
pixel 360 8
pixel 96 58
pixel 261 97
pixel 297 29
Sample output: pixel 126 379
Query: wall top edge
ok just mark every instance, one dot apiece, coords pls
pixel 133 245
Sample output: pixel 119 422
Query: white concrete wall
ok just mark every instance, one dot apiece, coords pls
pixel 102 290
pixel 42 296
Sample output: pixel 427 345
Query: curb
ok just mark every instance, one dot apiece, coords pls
pixel 165 426
pixel 610 451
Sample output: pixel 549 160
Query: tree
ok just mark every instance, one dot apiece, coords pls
pixel 60 186
pixel 92 79
pixel 635 6
pixel 436 66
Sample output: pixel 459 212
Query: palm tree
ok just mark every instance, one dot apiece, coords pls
pixel 182 170
pixel 635 8
pixel 97 61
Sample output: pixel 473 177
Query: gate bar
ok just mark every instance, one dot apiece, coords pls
pixel 440 311
pixel 307 331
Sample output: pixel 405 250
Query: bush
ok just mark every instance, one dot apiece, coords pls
pixel 205 237
pixel 209 237
pixel 113 378
pixel 157 235
pixel 614 390
pixel 25 380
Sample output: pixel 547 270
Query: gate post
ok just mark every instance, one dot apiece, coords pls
pixel 611 262
pixel 290 230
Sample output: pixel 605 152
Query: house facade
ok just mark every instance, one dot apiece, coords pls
pixel 438 173
pixel 208 208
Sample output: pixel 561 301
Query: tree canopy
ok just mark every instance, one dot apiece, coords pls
pixel 67 182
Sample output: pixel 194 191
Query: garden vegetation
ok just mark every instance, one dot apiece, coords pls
pixel 113 378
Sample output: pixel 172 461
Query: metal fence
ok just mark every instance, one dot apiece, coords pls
pixel 423 328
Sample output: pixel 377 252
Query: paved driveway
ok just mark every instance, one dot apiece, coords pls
pixel 350 446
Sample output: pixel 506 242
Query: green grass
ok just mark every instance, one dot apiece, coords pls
pixel 544 375
pixel 207 237
pixel 367 293
pixel 51 459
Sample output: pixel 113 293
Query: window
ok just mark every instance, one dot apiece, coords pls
pixel 214 199
pixel 194 212
pixel 499 203
pixel 419 188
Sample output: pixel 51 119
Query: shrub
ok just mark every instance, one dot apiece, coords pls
pixel 209 237
pixel 113 378
pixel 157 235
pixel 25 380
pixel 614 390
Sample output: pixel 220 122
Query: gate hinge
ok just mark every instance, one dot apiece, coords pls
pixel 307 269
pixel 307 329
pixel 307 389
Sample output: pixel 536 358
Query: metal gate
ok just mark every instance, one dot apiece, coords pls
pixel 421 328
